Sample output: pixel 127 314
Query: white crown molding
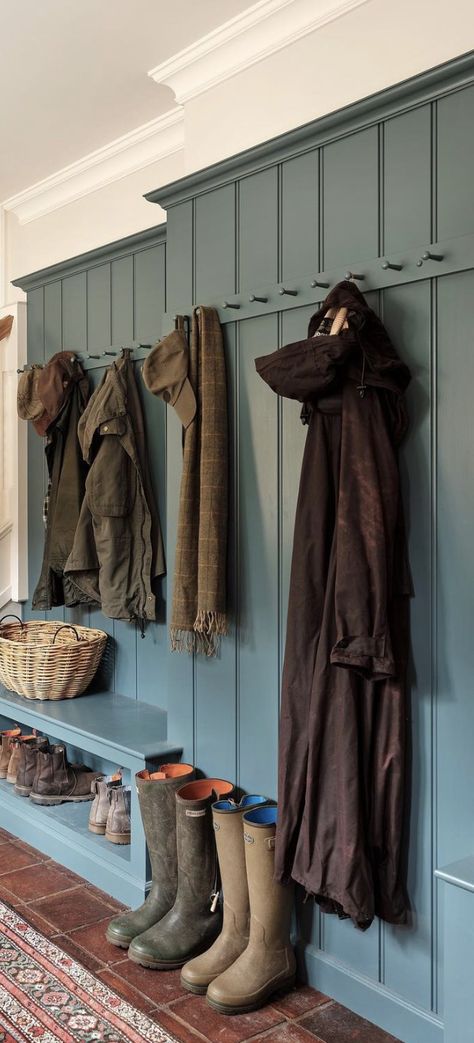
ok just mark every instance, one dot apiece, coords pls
pixel 146 144
pixel 251 36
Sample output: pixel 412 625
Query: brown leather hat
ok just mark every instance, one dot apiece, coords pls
pixel 165 373
pixel 29 404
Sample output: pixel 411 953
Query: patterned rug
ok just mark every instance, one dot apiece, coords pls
pixel 46 996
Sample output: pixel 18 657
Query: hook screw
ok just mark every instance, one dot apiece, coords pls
pixel 353 275
pixel 317 282
pixel 394 267
pixel 228 304
pixel 253 297
pixel 289 293
pixel 428 256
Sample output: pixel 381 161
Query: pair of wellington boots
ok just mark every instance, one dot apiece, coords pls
pixel 13 751
pixel 110 811
pixel 252 957
pixel 181 916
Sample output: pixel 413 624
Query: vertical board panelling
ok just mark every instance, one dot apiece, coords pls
pixel 36 462
pixel 293 438
pixel 149 293
pixel 407 958
pixel 258 229
pixel 75 312
pixel 258 562
pixel 121 288
pixel 98 309
pixel 97 312
pixel 300 215
pixel 53 335
pixel 179 668
pixel 149 307
pixel 351 199
pixel 179 257
pixel 407 161
pixel 455 567
pixel 121 318
pixel 215 245
pixel 455 164
pixel 215 697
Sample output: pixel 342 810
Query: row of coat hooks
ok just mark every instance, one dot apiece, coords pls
pixel 79 356
pixel 357 276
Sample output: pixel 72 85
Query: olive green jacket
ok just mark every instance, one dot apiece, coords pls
pixel 118 548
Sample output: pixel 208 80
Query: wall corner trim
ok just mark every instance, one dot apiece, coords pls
pixel 141 146
pixel 251 36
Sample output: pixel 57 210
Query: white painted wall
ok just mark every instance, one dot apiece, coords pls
pixel 374 45
pixel 371 47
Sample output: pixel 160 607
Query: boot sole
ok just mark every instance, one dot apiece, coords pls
pixel 96 829
pixel 118 838
pixel 156 965
pixel 11 779
pixel 114 941
pixel 198 990
pixel 22 791
pixel 223 1008
pixel 59 800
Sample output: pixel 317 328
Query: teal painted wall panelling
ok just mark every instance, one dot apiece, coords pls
pixel 214 243
pixel 36 462
pixel 300 227
pixel 258 229
pixel 351 200
pixel 407 174
pixel 455 150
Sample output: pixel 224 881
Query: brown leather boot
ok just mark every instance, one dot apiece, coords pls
pixel 26 766
pixel 18 746
pixel 57 781
pixel 5 750
pixel 118 828
pixel 101 790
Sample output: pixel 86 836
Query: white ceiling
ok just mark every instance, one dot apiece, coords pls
pixel 73 74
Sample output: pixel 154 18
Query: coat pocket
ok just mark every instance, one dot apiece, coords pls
pixel 110 482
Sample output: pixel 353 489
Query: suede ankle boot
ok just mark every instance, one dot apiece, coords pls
pixel 18 757
pixel 6 749
pixel 193 922
pixel 197 975
pixel 156 798
pixel 101 790
pixel 268 963
pixel 118 826
pixel 26 766
pixel 16 746
pixel 57 781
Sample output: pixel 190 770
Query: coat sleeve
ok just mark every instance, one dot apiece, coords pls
pixel 292 371
pixel 367 531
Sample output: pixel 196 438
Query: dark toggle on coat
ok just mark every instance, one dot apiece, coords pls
pixel 343 734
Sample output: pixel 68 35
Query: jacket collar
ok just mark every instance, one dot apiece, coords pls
pixel 108 402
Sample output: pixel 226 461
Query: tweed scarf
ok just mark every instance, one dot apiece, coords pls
pixel 198 617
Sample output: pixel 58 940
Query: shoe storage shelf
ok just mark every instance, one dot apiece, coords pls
pixel 107 731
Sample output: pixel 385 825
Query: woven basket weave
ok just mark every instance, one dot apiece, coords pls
pixel 48 660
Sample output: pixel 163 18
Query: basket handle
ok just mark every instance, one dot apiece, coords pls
pixel 11 615
pixel 66 626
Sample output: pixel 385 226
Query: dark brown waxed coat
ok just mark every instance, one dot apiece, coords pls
pixel 343 734
pixel 118 550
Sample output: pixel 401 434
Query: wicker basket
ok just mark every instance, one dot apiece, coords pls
pixel 48 660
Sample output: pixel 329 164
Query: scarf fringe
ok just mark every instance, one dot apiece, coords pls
pixel 205 637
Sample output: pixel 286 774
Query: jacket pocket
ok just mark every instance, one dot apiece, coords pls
pixel 110 482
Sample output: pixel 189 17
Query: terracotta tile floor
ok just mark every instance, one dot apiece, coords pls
pixel 75 914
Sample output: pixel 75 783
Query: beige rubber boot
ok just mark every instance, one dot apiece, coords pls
pixel 268 963
pixel 102 789
pixel 233 939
